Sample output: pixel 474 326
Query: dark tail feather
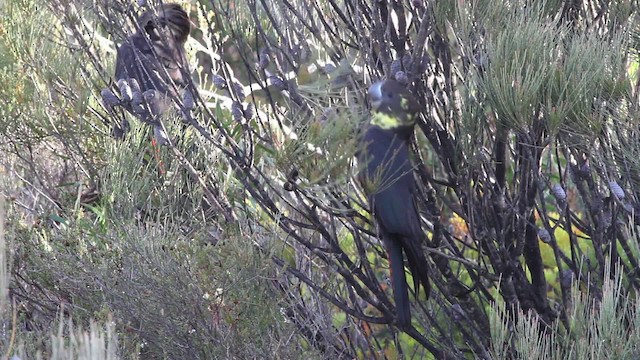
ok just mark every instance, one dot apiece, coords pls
pixel 399 283
pixel 418 266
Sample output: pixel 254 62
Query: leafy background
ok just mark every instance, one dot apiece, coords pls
pixel 248 237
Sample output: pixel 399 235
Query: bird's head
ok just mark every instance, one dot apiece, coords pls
pixel 393 106
pixel 169 18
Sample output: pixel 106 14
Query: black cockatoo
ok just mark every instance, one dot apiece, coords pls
pixel 150 64
pixel 158 43
pixel 387 180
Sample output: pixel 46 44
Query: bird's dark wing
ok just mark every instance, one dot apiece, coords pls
pixel 387 177
pixel 135 59
pixel 398 219
pixel 154 58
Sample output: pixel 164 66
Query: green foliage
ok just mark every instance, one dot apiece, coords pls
pixel 534 62
pixel 522 58
pixel 169 294
pixel 5 302
pixel 98 342
pixel 597 326
pixel 143 256
pixel 247 236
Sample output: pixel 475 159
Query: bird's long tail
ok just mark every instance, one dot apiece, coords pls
pixel 399 283
pixel 418 266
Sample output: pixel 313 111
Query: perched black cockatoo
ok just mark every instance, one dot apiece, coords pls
pixel 150 64
pixel 387 180
pixel 157 46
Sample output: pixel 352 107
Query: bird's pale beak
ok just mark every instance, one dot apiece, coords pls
pixel 375 94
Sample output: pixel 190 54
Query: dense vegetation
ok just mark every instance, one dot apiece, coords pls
pixel 248 236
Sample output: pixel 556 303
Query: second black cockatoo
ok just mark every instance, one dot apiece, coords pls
pixel 150 66
pixel 387 180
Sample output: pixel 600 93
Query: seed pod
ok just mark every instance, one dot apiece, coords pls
pixel 567 277
pixel 457 312
pixel 239 90
pixel 327 114
pixel 264 59
pixel 188 100
pixel 606 218
pixel 329 68
pixel 149 95
pixel 136 93
pixel 186 116
pixel 289 186
pixel 249 111
pixel 133 84
pixel 544 236
pixel 402 78
pixel 299 53
pixel 160 135
pixel 125 90
pixel 293 174
pixel 501 202
pixel 407 61
pixel 277 83
pixel 396 66
pixel 616 190
pixel 219 82
pixel 109 99
pixel 340 81
pixel 138 108
pixel 153 103
pixel 423 64
pixel 136 98
pixel 236 111
pixel 585 169
pixel 559 192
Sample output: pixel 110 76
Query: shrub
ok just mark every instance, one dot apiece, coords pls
pixel 525 154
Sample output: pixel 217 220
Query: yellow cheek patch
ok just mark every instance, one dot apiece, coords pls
pixel 384 121
pixel 387 122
